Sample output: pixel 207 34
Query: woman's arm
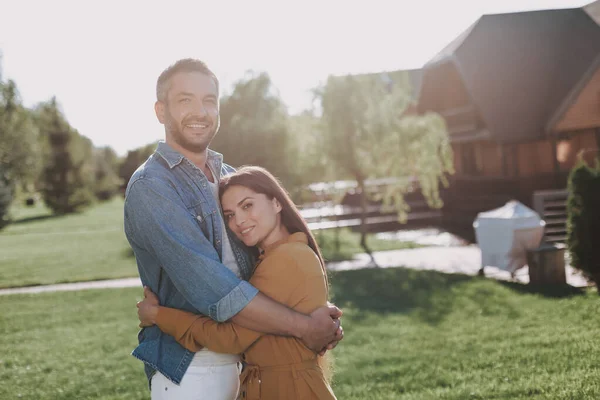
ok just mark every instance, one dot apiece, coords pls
pixel 277 276
pixel 195 331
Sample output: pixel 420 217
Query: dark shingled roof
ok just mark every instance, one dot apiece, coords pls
pixel 519 67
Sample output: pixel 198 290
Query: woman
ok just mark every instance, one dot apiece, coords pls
pixel 290 270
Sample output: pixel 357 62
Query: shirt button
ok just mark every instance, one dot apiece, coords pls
pixel 218 241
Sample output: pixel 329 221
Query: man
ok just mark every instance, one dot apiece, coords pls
pixel 184 253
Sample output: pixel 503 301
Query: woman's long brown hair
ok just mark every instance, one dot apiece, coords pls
pixel 261 181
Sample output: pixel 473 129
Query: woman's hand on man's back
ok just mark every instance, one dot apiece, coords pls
pixel 148 308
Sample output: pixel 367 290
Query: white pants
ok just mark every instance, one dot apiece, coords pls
pixel 214 382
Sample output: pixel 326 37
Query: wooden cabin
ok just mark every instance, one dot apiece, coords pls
pixel 520 94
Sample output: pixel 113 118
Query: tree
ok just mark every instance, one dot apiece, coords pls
pixel 106 179
pixel 254 128
pixel 6 196
pixel 132 161
pixel 19 146
pixel 310 161
pixel 19 143
pixel 367 134
pixel 68 174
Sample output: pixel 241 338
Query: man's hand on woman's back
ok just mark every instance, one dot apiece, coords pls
pixel 323 331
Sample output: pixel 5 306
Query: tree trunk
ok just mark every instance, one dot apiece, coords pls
pixel 337 244
pixel 363 220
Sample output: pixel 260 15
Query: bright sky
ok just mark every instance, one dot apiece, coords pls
pixel 102 58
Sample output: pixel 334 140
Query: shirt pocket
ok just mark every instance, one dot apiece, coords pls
pixel 203 213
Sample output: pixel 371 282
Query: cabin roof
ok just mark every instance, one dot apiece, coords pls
pixel 519 67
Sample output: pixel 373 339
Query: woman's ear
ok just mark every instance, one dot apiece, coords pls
pixel 276 205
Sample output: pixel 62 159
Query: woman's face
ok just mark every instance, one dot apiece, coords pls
pixel 251 216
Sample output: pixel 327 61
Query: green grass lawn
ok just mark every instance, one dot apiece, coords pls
pixel 409 335
pixel 39 248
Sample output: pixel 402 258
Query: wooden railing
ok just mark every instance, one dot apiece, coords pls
pixel 328 215
pixel 462 201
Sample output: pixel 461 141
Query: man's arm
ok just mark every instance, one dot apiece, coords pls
pixel 284 277
pixel 194 331
pixel 158 220
pixel 317 330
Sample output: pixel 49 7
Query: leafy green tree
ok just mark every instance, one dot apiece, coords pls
pixel 68 173
pixel 254 128
pixel 310 161
pixel 367 135
pixel 106 178
pixel 132 161
pixel 19 138
pixel 6 196
pixel 19 146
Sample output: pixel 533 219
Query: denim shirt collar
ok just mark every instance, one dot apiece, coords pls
pixel 174 158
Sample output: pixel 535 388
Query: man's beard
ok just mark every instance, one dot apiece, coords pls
pixel 176 133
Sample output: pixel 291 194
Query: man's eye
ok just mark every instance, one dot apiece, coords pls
pixel 228 216
pixel 186 100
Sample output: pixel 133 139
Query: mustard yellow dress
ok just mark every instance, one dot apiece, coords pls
pixel 276 367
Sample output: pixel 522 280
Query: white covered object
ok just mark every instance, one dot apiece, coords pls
pixel 505 234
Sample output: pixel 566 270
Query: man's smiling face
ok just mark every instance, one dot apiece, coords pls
pixel 190 112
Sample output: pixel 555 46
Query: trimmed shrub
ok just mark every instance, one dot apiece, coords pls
pixel 583 225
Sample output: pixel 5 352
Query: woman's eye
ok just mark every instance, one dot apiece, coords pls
pixel 247 206
pixel 228 217
pixel 186 100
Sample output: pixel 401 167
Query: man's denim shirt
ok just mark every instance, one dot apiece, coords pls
pixel 174 225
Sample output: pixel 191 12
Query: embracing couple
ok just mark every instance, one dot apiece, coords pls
pixel 235 287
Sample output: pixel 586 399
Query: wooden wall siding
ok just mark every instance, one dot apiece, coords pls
pixel 485 159
pixel 569 147
pixel 460 120
pixel 445 89
pixel 535 158
pixel 492 158
pixel 478 159
pixel 510 153
pixel 469 160
pixel 585 111
pixel 458 167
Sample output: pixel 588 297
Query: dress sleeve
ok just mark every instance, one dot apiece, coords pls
pixel 194 332
pixel 277 277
